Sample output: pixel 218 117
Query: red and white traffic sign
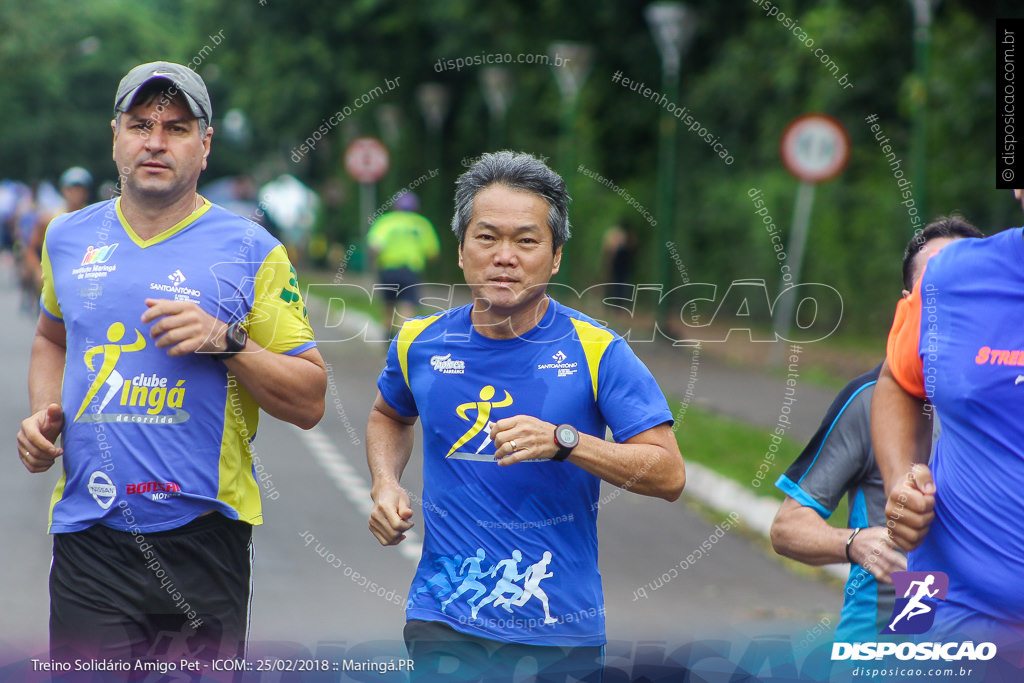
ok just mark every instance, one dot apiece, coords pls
pixel 815 148
pixel 366 160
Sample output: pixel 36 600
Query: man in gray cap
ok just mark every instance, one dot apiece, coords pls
pixel 176 78
pixel 167 323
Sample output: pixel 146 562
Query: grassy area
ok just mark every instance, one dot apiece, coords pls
pixel 736 449
pixel 732 448
pixel 357 303
pixel 823 376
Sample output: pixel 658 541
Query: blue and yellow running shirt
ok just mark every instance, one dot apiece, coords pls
pixel 151 441
pixel 510 553
pixel 957 340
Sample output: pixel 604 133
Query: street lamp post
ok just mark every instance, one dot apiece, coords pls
pixel 389 121
pixel 570 63
pixel 432 99
pixel 496 82
pixel 919 96
pixel 672 24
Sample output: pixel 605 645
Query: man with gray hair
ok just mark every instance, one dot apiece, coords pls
pixel 515 391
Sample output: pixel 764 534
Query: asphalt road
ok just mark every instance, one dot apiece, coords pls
pixel 319 498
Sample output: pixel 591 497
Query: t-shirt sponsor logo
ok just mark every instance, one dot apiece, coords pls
pixel 447 365
pixel 155 394
pixel 989 356
pixel 564 369
pixel 160 396
pixel 152 486
pixel 175 287
pixel 483 407
pixel 102 489
pixel 156 490
pixel 94 255
pixel 93 262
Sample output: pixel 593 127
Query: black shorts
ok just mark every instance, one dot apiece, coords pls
pixel 440 653
pixel 402 284
pixel 168 595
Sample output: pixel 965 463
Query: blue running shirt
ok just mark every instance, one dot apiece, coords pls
pixel 957 340
pixel 510 553
pixel 151 441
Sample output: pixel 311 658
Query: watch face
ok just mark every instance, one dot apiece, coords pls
pixel 567 436
pixel 236 338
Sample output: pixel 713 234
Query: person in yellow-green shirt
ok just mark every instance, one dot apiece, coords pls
pixel 403 242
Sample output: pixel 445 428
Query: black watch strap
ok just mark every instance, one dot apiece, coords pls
pixel 235 337
pixel 566 438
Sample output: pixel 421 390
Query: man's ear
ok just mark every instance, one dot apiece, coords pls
pixel 206 145
pixel 558 260
pixel 460 256
pixel 113 130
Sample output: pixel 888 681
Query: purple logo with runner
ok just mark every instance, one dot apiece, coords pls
pixel 917 596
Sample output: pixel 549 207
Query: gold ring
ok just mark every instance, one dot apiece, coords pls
pixel 513 444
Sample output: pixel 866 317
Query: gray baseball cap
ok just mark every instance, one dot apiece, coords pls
pixel 185 80
pixel 76 175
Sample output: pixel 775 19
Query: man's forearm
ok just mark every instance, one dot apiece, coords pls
pixel 900 429
pixel 290 388
pixel 799 533
pixel 45 373
pixel 649 469
pixel 388 448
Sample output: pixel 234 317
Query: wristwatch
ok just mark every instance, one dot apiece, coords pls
pixel 235 337
pixel 567 438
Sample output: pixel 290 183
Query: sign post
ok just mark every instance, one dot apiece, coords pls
pixel 366 161
pixel 814 148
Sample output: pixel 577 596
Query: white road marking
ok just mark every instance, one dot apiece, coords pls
pixel 351 483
